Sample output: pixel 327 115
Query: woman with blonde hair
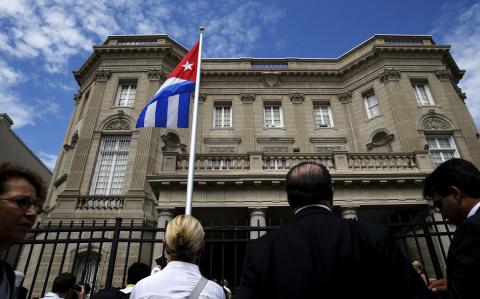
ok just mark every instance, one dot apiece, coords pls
pixel 181 277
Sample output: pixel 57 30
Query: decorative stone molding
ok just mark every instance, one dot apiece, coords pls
pixel 271 79
pixel 156 74
pixel 102 75
pixel 297 98
pixel 380 138
pixel 328 144
pixel 276 149
pixel 118 124
pixel 443 75
pixel 208 140
pixel 389 75
pixel 247 98
pixel 435 123
pixel 287 140
pixel 345 97
pixel 221 149
pixel 172 143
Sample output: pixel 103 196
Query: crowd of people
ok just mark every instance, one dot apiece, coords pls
pixel 316 255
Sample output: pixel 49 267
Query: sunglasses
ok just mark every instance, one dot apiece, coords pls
pixel 25 203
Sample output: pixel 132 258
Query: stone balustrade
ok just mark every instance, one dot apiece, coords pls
pixel 335 161
pixel 98 202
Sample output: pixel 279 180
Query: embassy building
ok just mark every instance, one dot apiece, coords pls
pixel 380 117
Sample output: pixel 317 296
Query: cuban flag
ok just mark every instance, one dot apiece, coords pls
pixel 169 108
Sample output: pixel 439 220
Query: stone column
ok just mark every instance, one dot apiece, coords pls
pixel 257 219
pixel 248 137
pixel 346 99
pixel 164 217
pixel 349 213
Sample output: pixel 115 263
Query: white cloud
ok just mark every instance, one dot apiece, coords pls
pixel 464 36
pixel 48 159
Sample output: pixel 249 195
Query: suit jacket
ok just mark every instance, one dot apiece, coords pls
pixel 9 277
pixel 463 261
pixel 320 255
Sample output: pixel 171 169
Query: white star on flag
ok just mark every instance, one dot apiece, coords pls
pixel 187 66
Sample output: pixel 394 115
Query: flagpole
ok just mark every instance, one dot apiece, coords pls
pixel 191 157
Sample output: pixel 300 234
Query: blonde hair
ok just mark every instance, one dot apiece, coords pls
pixel 184 238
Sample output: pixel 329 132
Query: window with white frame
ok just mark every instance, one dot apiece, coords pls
pixel 371 104
pixel 442 148
pixel 273 116
pixel 126 94
pixel 111 166
pixel 222 118
pixel 422 93
pixel 322 115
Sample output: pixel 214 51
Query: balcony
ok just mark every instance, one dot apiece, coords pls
pixel 261 167
pixel 99 202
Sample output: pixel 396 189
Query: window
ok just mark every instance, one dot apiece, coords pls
pixel 442 148
pixel 371 103
pixel 86 266
pixel 111 165
pixel 422 93
pixel 273 116
pixel 126 94
pixel 222 117
pixel 322 116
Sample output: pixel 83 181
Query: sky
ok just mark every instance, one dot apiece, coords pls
pixel 43 41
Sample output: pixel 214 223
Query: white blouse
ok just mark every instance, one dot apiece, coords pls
pixel 176 280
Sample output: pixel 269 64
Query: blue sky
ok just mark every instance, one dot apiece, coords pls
pixel 43 41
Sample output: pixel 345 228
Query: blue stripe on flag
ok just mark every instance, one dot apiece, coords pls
pixel 161 112
pixel 183 109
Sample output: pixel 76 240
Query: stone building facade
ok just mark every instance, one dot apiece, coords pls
pixel 379 116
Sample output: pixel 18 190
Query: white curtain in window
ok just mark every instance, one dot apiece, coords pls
pixel 111 166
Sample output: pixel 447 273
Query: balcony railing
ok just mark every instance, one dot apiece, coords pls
pixel 98 202
pixel 335 161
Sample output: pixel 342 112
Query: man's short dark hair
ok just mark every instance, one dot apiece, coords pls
pixel 308 183
pixel 63 283
pixel 454 172
pixel 137 272
pixel 10 171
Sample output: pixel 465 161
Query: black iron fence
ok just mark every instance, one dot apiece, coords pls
pixel 100 253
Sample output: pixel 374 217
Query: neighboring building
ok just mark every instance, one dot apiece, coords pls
pixel 380 117
pixel 12 149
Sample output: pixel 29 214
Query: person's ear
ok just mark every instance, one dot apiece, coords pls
pixel 458 194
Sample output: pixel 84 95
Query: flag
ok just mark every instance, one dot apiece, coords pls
pixel 169 108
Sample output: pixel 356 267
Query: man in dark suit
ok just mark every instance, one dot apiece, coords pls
pixel 454 188
pixel 320 255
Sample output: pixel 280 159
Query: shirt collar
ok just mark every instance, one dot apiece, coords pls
pixel 316 205
pixel 183 265
pixel 473 210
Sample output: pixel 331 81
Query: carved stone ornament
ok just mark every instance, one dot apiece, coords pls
pixel 380 138
pixel 102 75
pixel 296 98
pixel 247 98
pixel 443 75
pixel 345 97
pixel 202 97
pixel 156 74
pixel 389 75
pixel 435 123
pixel 77 97
pixel 271 79
pixel 118 124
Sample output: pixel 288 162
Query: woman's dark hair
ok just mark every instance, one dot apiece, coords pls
pixel 10 171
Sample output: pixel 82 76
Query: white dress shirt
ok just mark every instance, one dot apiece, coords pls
pixel 176 280
pixel 473 210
